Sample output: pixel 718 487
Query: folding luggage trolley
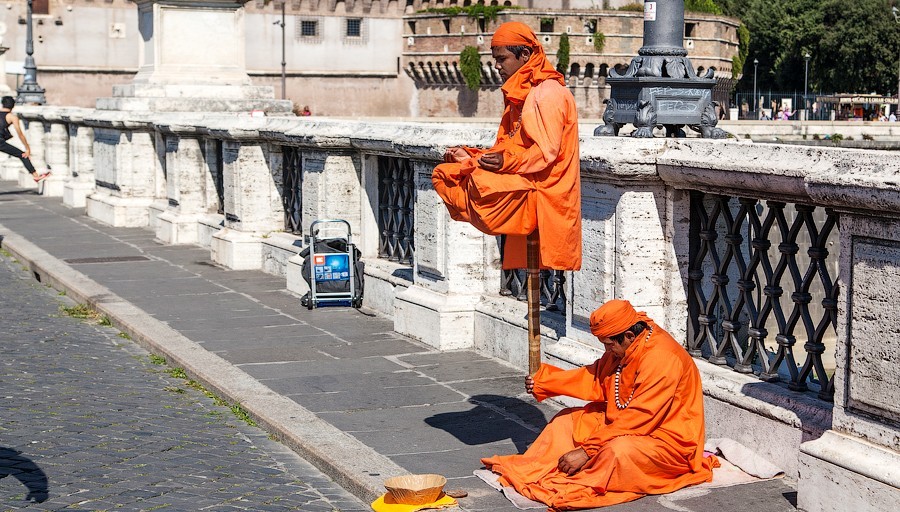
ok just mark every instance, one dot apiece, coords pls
pixel 332 268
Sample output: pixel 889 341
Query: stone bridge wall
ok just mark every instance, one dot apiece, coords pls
pixel 221 181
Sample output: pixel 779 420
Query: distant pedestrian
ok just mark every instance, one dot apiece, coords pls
pixel 892 118
pixel 306 111
pixel 7 119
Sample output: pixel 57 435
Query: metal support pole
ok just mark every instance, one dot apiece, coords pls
pixel 806 57
pixel 534 302
pixel 30 91
pixel 283 63
pixel 755 99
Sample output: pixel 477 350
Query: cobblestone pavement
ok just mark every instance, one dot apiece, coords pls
pixel 88 421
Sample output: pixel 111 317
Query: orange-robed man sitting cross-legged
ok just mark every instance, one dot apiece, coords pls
pixel 642 432
pixel 529 179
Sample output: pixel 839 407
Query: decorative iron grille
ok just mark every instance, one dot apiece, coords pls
pixel 219 177
pixel 514 283
pixel 292 185
pixel 749 280
pixel 396 203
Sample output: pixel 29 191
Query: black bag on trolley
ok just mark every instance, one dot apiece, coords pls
pixel 334 245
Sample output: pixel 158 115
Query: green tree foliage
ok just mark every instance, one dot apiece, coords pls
pixel 707 6
pixel 738 61
pixel 473 11
pixel 599 42
pixel 858 49
pixel 470 66
pixel 635 7
pixel 853 44
pixel 562 55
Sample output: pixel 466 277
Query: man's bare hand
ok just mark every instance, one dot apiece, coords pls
pixel 455 154
pixel 572 462
pixel 491 161
pixel 529 384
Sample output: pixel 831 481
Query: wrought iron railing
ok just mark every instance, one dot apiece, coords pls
pixel 755 301
pixel 292 185
pixel 514 283
pixel 218 175
pixel 396 204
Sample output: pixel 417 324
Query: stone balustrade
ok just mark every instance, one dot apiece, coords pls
pixel 776 263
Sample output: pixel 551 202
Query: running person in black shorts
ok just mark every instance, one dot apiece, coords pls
pixel 7 119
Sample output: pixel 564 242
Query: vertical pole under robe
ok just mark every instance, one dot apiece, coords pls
pixel 534 303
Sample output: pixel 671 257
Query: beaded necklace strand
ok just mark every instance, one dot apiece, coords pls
pixel 620 405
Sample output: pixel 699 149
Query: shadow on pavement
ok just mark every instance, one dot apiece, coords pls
pixel 485 424
pixel 12 462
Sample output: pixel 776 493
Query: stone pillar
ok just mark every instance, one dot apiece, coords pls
pixel 448 273
pixel 56 149
pixel 34 132
pixel 252 205
pixel 858 460
pixel 128 174
pixel 331 187
pixel 81 161
pixel 185 187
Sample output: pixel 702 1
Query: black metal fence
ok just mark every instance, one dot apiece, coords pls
pixel 514 283
pixel 768 103
pixel 396 206
pixel 217 168
pixel 763 289
pixel 292 193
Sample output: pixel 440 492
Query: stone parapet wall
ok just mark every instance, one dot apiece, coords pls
pixel 225 181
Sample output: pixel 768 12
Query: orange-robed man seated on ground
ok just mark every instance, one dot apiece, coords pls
pixel 529 180
pixel 642 432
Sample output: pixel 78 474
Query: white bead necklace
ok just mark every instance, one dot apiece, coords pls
pixel 619 404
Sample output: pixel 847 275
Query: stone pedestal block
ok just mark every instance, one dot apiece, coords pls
pixel 192 59
pixel 294 276
pixel 53 186
pixel 9 168
pixel 441 321
pixel 118 211
pixel 76 191
pixel 236 250
pixel 840 472
pixel 177 228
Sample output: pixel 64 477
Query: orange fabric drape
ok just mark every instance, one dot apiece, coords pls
pixel 539 185
pixel 653 446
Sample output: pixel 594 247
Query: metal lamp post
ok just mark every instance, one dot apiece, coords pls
pixel 755 99
pixel 283 63
pixel 661 87
pixel 30 91
pixel 896 13
pixel 806 57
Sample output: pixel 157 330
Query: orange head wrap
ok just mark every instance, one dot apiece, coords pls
pixel 533 72
pixel 615 317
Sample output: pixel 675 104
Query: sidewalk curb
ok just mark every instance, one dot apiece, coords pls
pixel 353 465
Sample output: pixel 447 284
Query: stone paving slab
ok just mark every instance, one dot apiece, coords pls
pixel 473 408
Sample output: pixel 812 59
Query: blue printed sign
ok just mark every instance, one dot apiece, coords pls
pixel 332 267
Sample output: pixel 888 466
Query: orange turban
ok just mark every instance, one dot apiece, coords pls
pixel 615 317
pixel 533 72
pixel 513 33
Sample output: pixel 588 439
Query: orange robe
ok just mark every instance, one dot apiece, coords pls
pixel 538 187
pixel 653 446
